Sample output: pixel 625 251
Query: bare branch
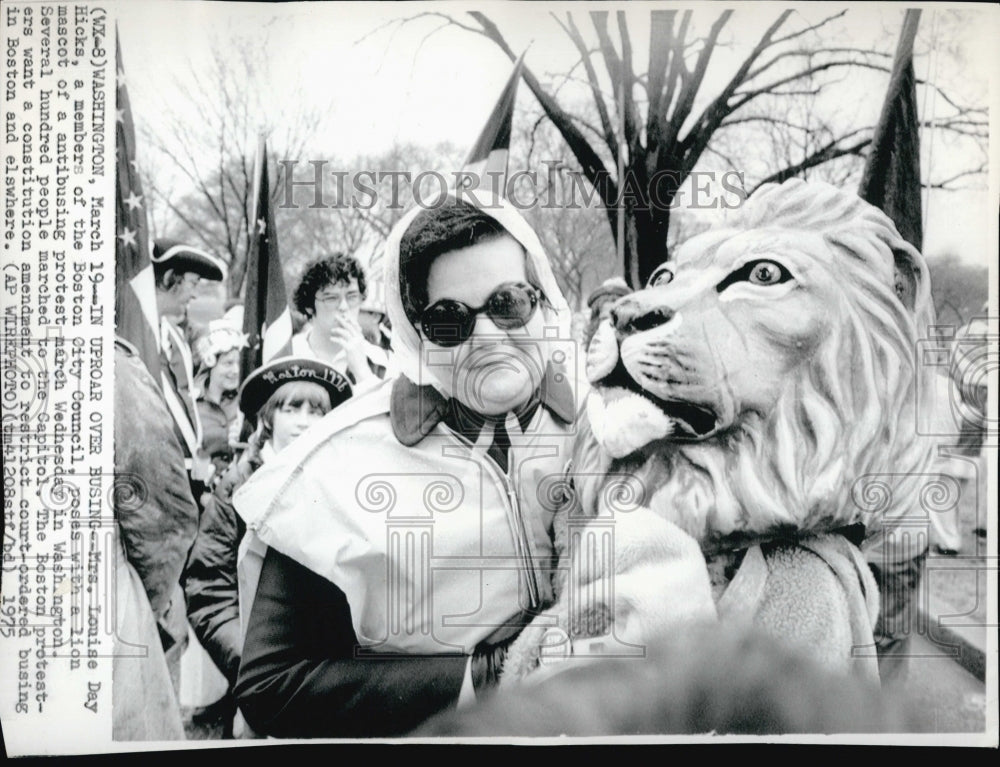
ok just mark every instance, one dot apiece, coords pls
pixel 827 153
pixel 608 130
pixel 706 124
pixel 379 28
pixel 806 30
pixel 730 162
pixel 661 35
pixel 692 84
pixel 678 69
pixel 812 53
pixel 591 164
pixel 943 183
pixel 745 96
pixel 628 77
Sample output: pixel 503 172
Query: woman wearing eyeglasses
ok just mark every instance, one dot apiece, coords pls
pixel 330 295
pixel 410 533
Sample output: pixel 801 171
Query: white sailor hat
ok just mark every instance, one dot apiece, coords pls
pixel 265 381
pixel 172 254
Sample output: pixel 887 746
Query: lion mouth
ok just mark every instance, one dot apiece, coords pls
pixel 692 422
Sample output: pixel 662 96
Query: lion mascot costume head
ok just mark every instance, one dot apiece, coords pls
pixel 743 406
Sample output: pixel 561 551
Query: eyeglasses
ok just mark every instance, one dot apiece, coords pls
pixel 353 299
pixel 450 323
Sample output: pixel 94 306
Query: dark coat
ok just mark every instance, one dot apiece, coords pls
pixel 156 514
pixel 210 582
pixel 300 676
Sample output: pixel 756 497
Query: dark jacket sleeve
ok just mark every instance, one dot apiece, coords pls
pixel 210 582
pixel 156 513
pixel 300 678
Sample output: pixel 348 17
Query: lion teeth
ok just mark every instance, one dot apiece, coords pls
pixel 627 423
pixel 602 354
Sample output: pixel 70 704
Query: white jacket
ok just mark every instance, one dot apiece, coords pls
pixel 435 548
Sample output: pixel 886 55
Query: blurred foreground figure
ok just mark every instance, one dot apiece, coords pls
pixel 157 522
pixel 704 681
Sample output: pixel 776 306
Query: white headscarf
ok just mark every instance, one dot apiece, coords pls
pixel 410 353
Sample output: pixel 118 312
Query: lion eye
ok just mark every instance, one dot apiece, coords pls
pixel 762 272
pixel 767 273
pixel 661 276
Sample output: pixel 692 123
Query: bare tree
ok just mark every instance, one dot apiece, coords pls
pixel 211 146
pixel 646 122
pixel 575 235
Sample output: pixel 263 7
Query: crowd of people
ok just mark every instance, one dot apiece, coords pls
pixel 204 432
pixel 264 530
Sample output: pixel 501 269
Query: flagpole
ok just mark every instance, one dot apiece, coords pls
pixel 247 356
pixel 621 178
pixel 517 73
pixel 254 201
pixel 928 115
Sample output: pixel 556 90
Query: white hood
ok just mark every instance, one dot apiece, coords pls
pixel 410 352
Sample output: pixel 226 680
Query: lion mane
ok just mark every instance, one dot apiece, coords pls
pixel 840 445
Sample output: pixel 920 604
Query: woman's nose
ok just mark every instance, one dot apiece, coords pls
pixel 486 331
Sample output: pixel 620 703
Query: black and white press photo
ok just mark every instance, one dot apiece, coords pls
pixel 498 372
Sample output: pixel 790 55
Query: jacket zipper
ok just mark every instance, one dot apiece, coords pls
pixel 521 544
pixel 525 546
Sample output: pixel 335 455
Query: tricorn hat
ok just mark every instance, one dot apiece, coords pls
pixel 265 381
pixel 171 254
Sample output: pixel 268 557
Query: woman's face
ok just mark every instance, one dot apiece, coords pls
pixel 226 373
pixel 495 371
pixel 289 421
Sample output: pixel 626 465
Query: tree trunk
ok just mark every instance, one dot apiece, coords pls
pixel 651 246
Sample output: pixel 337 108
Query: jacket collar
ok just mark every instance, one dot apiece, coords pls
pixel 416 410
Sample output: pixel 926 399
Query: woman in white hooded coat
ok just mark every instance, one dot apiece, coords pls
pixel 409 533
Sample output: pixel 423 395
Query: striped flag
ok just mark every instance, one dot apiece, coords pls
pixel 136 315
pixel 491 152
pixel 267 319
pixel 891 179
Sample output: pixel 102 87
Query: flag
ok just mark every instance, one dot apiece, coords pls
pixel 267 320
pixel 891 179
pixel 136 316
pixel 491 151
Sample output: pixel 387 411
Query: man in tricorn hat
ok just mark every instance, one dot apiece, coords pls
pixel 178 269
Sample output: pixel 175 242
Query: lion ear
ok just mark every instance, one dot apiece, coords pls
pixel 909 275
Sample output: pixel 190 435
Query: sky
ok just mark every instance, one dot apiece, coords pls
pixel 389 83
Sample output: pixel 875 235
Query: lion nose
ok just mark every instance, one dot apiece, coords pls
pixel 632 317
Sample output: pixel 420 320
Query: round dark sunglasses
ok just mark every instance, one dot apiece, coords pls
pixel 450 323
